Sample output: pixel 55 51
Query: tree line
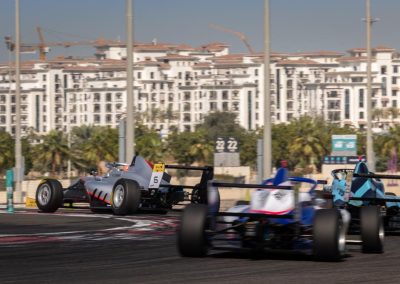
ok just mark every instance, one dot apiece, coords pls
pixel 302 143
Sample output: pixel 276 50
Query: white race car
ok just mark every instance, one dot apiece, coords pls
pixel 125 188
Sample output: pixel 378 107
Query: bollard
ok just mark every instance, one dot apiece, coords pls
pixel 10 193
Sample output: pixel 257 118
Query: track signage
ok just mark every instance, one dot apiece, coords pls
pixel 226 145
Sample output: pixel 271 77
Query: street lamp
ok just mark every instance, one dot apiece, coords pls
pixel 130 122
pixel 18 147
pixel 370 147
pixel 267 160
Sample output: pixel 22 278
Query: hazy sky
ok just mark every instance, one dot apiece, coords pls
pixel 296 25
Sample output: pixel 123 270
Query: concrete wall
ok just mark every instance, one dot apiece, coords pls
pixel 28 190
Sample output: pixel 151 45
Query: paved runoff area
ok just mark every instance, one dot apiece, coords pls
pixel 77 246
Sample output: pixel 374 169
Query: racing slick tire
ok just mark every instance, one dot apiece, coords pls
pixel 126 197
pixel 328 235
pixel 192 239
pixel 372 231
pixel 49 195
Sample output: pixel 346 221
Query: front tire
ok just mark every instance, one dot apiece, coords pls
pixel 372 232
pixel 126 197
pixel 192 240
pixel 49 196
pixel 328 235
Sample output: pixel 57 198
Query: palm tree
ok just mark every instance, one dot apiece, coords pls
pixel 393 113
pixel 52 153
pixel 79 137
pixel 391 141
pixel 308 146
pixel 6 150
pixel 201 149
pixel 150 146
pixel 377 114
pixel 101 146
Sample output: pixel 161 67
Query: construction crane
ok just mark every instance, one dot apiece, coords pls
pixel 43 47
pixel 240 35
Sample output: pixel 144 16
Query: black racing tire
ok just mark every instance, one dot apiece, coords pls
pixel 372 231
pixel 192 238
pixel 126 197
pixel 328 235
pixel 49 195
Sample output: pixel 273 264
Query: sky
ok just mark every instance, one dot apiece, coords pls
pixel 296 25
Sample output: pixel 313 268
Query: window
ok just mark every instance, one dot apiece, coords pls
pixel 108 118
pixel 151 75
pixel 361 115
pixel 347 104
pixel 383 69
pixel 394 80
pixel 361 98
pixel 213 106
pixel 213 95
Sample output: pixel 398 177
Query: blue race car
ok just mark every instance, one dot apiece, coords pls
pixel 358 188
pixel 278 217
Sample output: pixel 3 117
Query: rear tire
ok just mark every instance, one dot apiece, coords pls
pixel 49 196
pixel 372 232
pixel 126 197
pixel 192 239
pixel 328 235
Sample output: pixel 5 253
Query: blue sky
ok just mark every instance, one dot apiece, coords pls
pixel 296 25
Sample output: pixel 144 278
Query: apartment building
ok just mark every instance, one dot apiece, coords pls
pixel 177 85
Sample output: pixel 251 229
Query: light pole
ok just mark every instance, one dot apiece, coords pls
pixel 267 159
pixel 18 147
pixel 370 146
pixel 130 123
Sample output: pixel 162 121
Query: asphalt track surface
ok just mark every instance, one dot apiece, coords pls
pixel 77 246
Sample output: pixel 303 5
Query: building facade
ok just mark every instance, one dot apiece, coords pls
pixel 176 86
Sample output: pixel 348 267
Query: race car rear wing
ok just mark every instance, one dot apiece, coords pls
pixel 214 199
pixel 373 175
pixel 206 175
pixel 207 172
